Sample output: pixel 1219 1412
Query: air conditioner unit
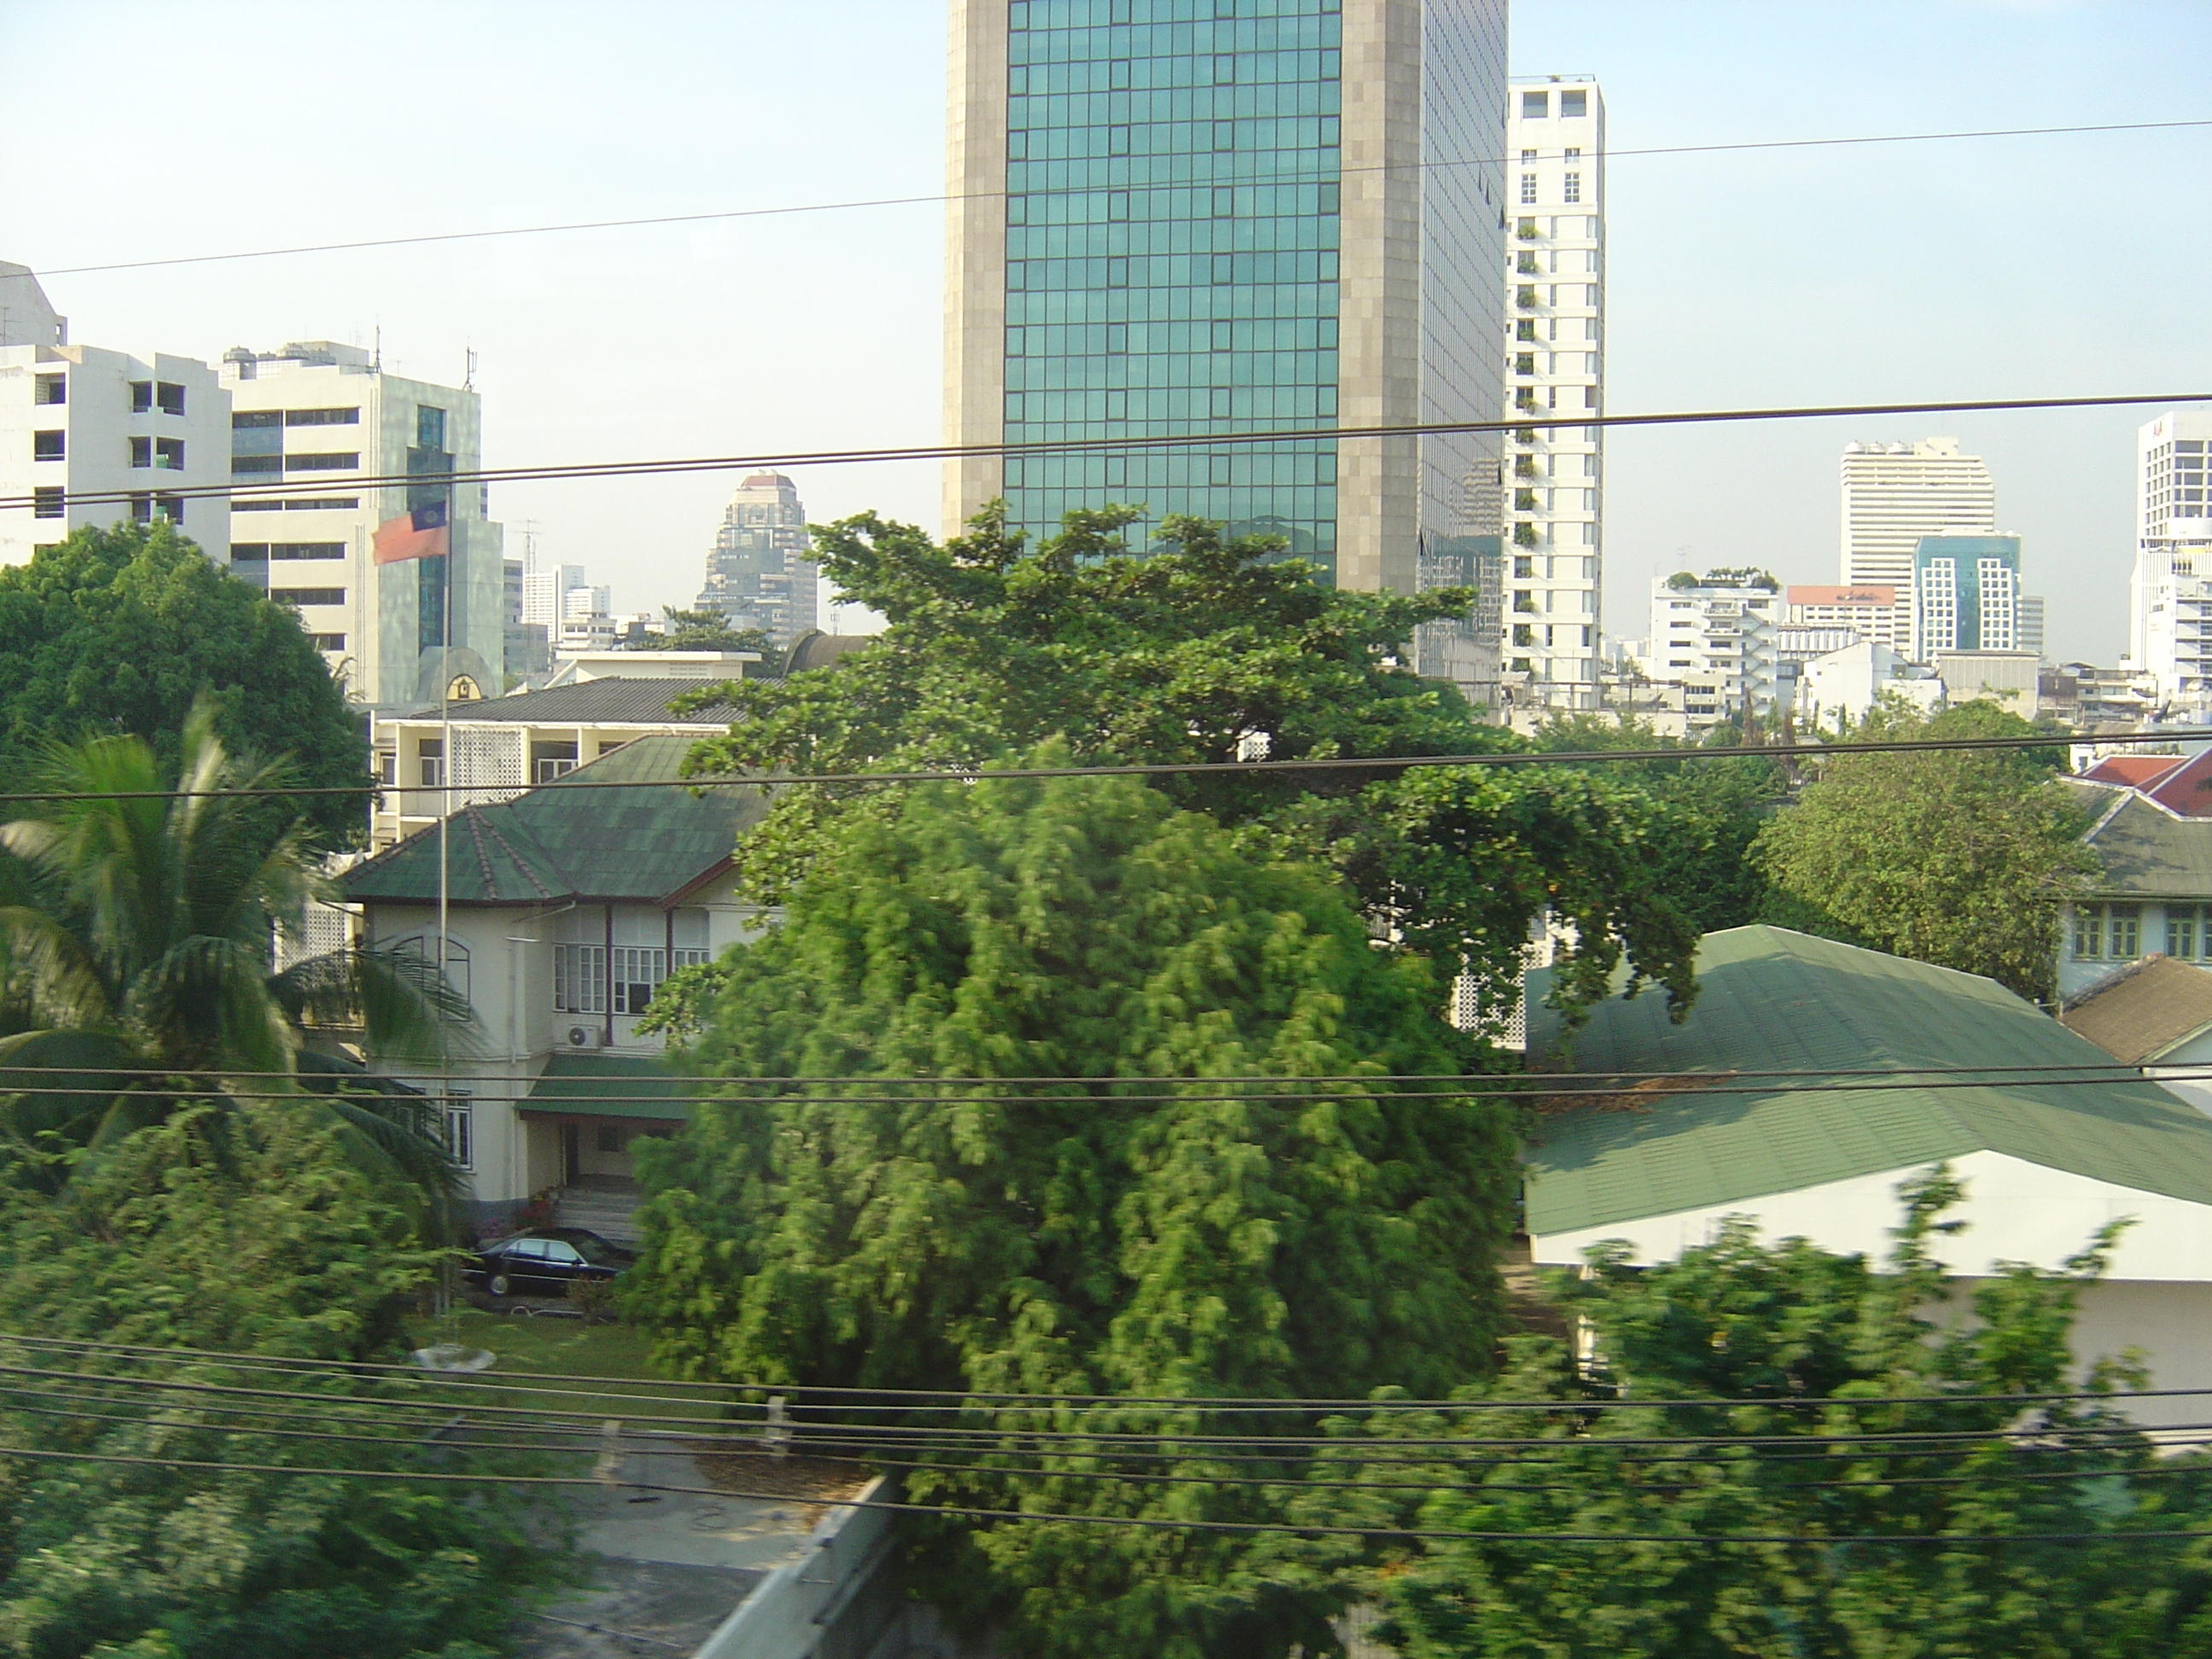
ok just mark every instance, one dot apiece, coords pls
pixel 585 1036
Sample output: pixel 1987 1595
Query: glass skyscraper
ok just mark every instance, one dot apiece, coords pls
pixel 1235 216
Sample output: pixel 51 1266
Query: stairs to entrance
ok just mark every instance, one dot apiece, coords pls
pixel 605 1205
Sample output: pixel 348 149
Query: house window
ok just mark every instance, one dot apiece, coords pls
pixel 1535 105
pixel 170 396
pixel 49 447
pixel 2181 930
pixel 430 759
pixel 48 502
pixel 142 397
pixel 460 1133
pixel 2112 932
pixel 638 970
pixel 1528 189
pixel 50 388
pixel 580 978
pixel 169 453
pixel 1573 104
pixel 609 1139
pixel 1571 187
pixel 142 451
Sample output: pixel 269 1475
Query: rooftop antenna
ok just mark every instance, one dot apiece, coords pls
pixel 469 369
pixel 379 359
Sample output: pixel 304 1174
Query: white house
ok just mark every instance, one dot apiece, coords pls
pixel 558 913
pixel 2045 1163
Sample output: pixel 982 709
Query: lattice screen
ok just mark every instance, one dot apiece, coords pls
pixel 487 763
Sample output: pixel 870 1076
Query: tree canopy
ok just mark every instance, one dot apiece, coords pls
pixel 1961 857
pixel 1845 1434
pixel 122 629
pixel 1238 1238
pixel 703 630
pixel 1210 650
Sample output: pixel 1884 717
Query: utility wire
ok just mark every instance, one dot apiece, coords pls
pixel 968 1512
pixel 1529 422
pixel 986 773
pixel 991 195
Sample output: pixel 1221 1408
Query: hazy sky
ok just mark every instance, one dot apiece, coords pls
pixel 2060 266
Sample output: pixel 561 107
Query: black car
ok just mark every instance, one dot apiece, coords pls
pixel 546 1261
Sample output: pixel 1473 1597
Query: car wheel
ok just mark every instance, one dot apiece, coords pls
pixel 500 1285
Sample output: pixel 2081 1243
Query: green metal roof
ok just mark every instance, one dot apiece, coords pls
pixel 2149 853
pixel 607 1085
pixel 556 842
pixel 1772 999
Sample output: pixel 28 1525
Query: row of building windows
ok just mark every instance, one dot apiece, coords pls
pixel 1188 170
pixel 1233 303
pixel 246 420
pixel 2114 933
pixel 1571 189
pixel 1165 370
pixel 1065 81
pixel 1093 112
pixel 1182 403
pixel 1299 267
pixel 1293 466
pixel 1175 203
pixel 263 551
pixel 1574 102
pixel 1308 133
pixel 582 984
pixel 301 504
pixel 1200 236
pixel 1136 28
pixel 1257 334
pixel 334 461
pixel 306 596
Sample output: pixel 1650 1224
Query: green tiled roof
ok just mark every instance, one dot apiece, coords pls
pixel 607 1085
pixel 1776 1000
pixel 556 842
pixel 2149 853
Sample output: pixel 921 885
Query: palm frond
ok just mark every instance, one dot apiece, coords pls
pixel 405 1007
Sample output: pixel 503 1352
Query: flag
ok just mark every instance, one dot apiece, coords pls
pixel 418 535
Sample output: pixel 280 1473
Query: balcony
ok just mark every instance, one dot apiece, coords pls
pixel 1527 299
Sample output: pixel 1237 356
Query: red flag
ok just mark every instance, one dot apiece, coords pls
pixel 418 535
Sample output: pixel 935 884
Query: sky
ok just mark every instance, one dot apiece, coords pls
pixel 1981 268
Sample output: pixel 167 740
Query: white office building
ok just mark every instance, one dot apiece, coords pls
pixel 1717 637
pixel 75 420
pixel 2170 622
pixel 316 417
pixel 1554 365
pixel 1893 494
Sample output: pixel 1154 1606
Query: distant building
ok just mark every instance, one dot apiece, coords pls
pixel 1868 609
pixel 758 574
pixel 77 420
pixel 1836 690
pixel 1716 637
pixel 2029 626
pixel 545 594
pixel 1554 359
pixel 1894 494
pixel 2008 677
pixel 2170 621
pixel 310 421
pixel 1965 594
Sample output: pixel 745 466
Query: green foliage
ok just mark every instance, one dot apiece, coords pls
pixel 1793 1324
pixel 135 956
pixel 123 629
pixel 1196 653
pixel 1081 1237
pixel 1713 811
pixel 1961 857
pixel 277 1246
pixel 706 631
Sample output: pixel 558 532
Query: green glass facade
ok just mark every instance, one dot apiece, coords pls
pixel 1171 257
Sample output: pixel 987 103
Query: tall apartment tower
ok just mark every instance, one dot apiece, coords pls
pixel 321 416
pixel 758 574
pixel 1554 363
pixel 2170 625
pixel 1896 493
pixel 1178 216
pixel 1965 594
pixel 77 419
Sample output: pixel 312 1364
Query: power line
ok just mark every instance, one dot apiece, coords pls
pixel 991 195
pixel 1104 445
pixel 984 773
pixel 969 1512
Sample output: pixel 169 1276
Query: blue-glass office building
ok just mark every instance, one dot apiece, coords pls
pixel 1233 216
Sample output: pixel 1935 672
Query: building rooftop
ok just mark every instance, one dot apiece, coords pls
pixel 559 842
pixel 2144 1010
pixel 589 703
pixel 1772 999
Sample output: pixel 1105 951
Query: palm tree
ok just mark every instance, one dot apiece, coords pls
pixel 136 975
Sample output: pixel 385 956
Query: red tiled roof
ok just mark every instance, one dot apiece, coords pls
pixel 2134 770
pixel 2186 788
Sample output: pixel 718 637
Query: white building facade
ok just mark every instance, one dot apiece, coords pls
pixel 316 417
pixel 2170 619
pixel 140 431
pixel 1719 638
pixel 1894 494
pixel 1554 365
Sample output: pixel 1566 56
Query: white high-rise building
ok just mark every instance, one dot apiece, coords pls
pixel 77 420
pixel 2170 624
pixel 1554 365
pixel 1894 494
pixel 545 594
pixel 317 416
pixel 1717 637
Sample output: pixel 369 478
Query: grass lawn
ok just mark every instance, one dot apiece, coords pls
pixel 541 1347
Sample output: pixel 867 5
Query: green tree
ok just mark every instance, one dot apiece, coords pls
pixel 705 630
pixel 1210 650
pixel 1716 809
pixel 1840 1349
pixel 1237 1239
pixel 137 974
pixel 279 1248
pixel 1961 857
pixel 124 629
